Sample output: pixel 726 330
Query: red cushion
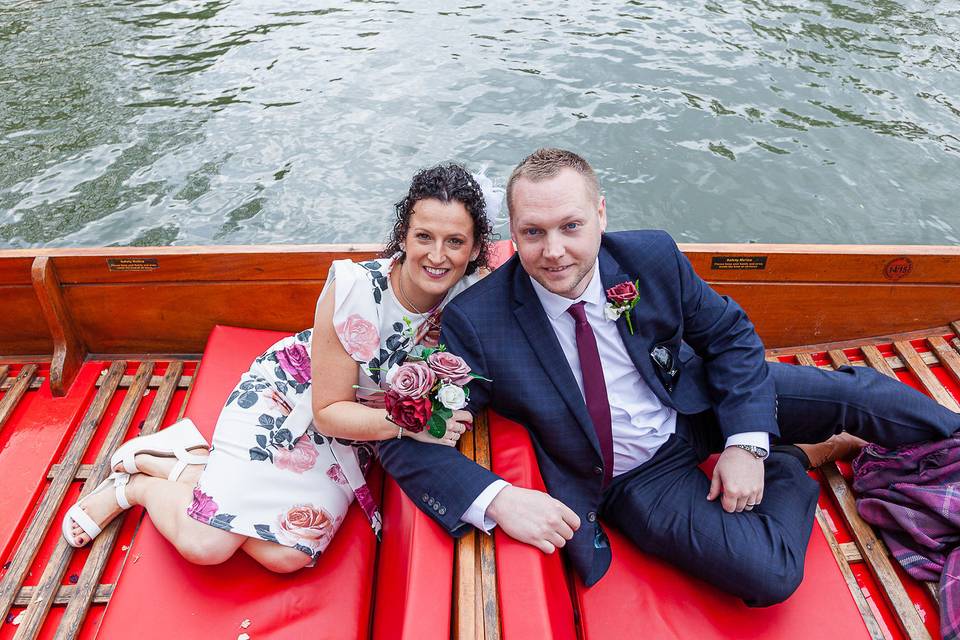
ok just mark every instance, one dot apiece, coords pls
pixel 641 592
pixel 331 600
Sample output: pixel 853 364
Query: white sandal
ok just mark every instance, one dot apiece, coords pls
pixel 118 481
pixel 176 441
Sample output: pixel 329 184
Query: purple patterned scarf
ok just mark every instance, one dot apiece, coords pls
pixel 912 494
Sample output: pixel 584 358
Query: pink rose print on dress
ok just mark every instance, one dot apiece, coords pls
pixel 203 508
pixel 359 336
pixel 367 503
pixel 305 523
pixel 295 361
pixel 300 459
pixel 335 473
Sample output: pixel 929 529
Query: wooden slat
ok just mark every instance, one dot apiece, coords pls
pixel 186 397
pixel 69 350
pixel 946 354
pixel 30 545
pixel 874 629
pixel 875 555
pixel 838 358
pixel 806 360
pixel 13 396
pixel 56 567
pixel 82 473
pixel 102 547
pixel 35 384
pixel 922 372
pixel 467 608
pixel 4 369
pixel 875 359
pixel 489 602
pixel 64 594
pixel 955 325
pixel 153 383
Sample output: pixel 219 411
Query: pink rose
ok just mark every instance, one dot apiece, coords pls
pixel 203 507
pixel 359 337
pixel 449 367
pixel 295 360
pixel 300 459
pixel 410 413
pixel 335 473
pixel 413 380
pixel 623 292
pixel 305 521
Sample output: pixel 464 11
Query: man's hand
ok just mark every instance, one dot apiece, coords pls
pixel 738 476
pixel 533 517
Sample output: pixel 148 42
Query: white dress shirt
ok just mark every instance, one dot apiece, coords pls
pixel 641 424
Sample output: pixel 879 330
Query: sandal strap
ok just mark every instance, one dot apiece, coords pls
pixel 130 461
pixel 85 522
pixel 120 481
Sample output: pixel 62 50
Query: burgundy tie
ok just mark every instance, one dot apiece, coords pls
pixel 594 387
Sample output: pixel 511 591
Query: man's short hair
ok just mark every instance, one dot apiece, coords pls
pixel 547 162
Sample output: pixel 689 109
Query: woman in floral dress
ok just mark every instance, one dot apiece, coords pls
pixel 289 456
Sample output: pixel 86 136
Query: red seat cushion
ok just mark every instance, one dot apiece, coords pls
pixel 160 595
pixel 641 592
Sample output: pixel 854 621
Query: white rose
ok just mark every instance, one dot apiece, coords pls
pixel 612 312
pixel 452 397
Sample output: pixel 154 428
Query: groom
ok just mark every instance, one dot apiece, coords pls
pixel 620 414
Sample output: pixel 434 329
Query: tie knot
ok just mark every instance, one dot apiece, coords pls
pixel 578 311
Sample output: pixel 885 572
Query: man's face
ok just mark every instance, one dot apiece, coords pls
pixel 556 224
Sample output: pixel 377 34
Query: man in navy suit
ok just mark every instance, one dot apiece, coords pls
pixel 620 414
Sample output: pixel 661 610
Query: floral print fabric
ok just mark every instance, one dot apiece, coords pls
pixel 271 475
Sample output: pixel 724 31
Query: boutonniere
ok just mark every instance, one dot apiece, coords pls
pixel 622 298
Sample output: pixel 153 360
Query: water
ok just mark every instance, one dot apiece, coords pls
pixel 233 122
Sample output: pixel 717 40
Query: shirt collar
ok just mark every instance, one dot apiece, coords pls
pixel 555 305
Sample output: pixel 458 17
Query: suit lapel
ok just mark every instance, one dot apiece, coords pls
pixel 638 345
pixel 535 324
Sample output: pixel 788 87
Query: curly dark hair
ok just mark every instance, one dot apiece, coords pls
pixel 446 182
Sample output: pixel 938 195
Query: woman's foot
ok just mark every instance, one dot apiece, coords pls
pixel 102 507
pixel 161 466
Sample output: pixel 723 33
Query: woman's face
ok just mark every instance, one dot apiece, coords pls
pixel 439 244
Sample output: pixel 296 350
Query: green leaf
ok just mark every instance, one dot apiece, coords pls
pixel 437 426
pixel 442 411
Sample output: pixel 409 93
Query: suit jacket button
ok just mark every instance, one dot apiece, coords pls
pixel 436 506
pixel 592 516
pixel 431 502
pixel 442 510
pixel 424 498
pixel 598 470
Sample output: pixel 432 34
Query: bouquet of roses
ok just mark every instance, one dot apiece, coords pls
pixel 427 388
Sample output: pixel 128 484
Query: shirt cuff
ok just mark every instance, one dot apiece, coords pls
pixel 476 513
pixel 753 438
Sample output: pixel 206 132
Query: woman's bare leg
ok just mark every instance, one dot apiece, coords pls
pixel 167 504
pixel 275 557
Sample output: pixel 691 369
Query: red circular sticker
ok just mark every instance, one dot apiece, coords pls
pixel 898 268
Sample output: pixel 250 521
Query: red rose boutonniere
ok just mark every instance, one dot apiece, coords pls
pixel 622 298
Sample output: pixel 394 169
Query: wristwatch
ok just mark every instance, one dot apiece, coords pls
pixel 758 452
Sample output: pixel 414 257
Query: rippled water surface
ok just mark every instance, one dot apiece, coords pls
pixel 231 121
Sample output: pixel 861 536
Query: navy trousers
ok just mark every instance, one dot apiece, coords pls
pixel 758 555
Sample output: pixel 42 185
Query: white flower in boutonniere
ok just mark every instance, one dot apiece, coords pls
pixel 623 298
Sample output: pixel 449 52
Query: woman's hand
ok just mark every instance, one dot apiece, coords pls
pixel 457 424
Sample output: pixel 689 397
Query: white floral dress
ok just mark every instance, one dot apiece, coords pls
pixel 271 475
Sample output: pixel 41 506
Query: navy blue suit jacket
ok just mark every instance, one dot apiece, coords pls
pixel 500 328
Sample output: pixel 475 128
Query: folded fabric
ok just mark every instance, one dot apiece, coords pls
pixel 912 495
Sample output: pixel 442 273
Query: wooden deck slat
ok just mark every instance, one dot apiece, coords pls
pixel 840 555
pixel 947 355
pixel 806 360
pixel 52 576
pixel 20 385
pixel 838 358
pixel 35 384
pixel 875 555
pixel 154 382
pixel 64 594
pixel 488 566
pixel 922 372
pixel 4 369
pixel 102 547
pixel 955 325
pixel 30 545
pixel 467 620
pixel 876 360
